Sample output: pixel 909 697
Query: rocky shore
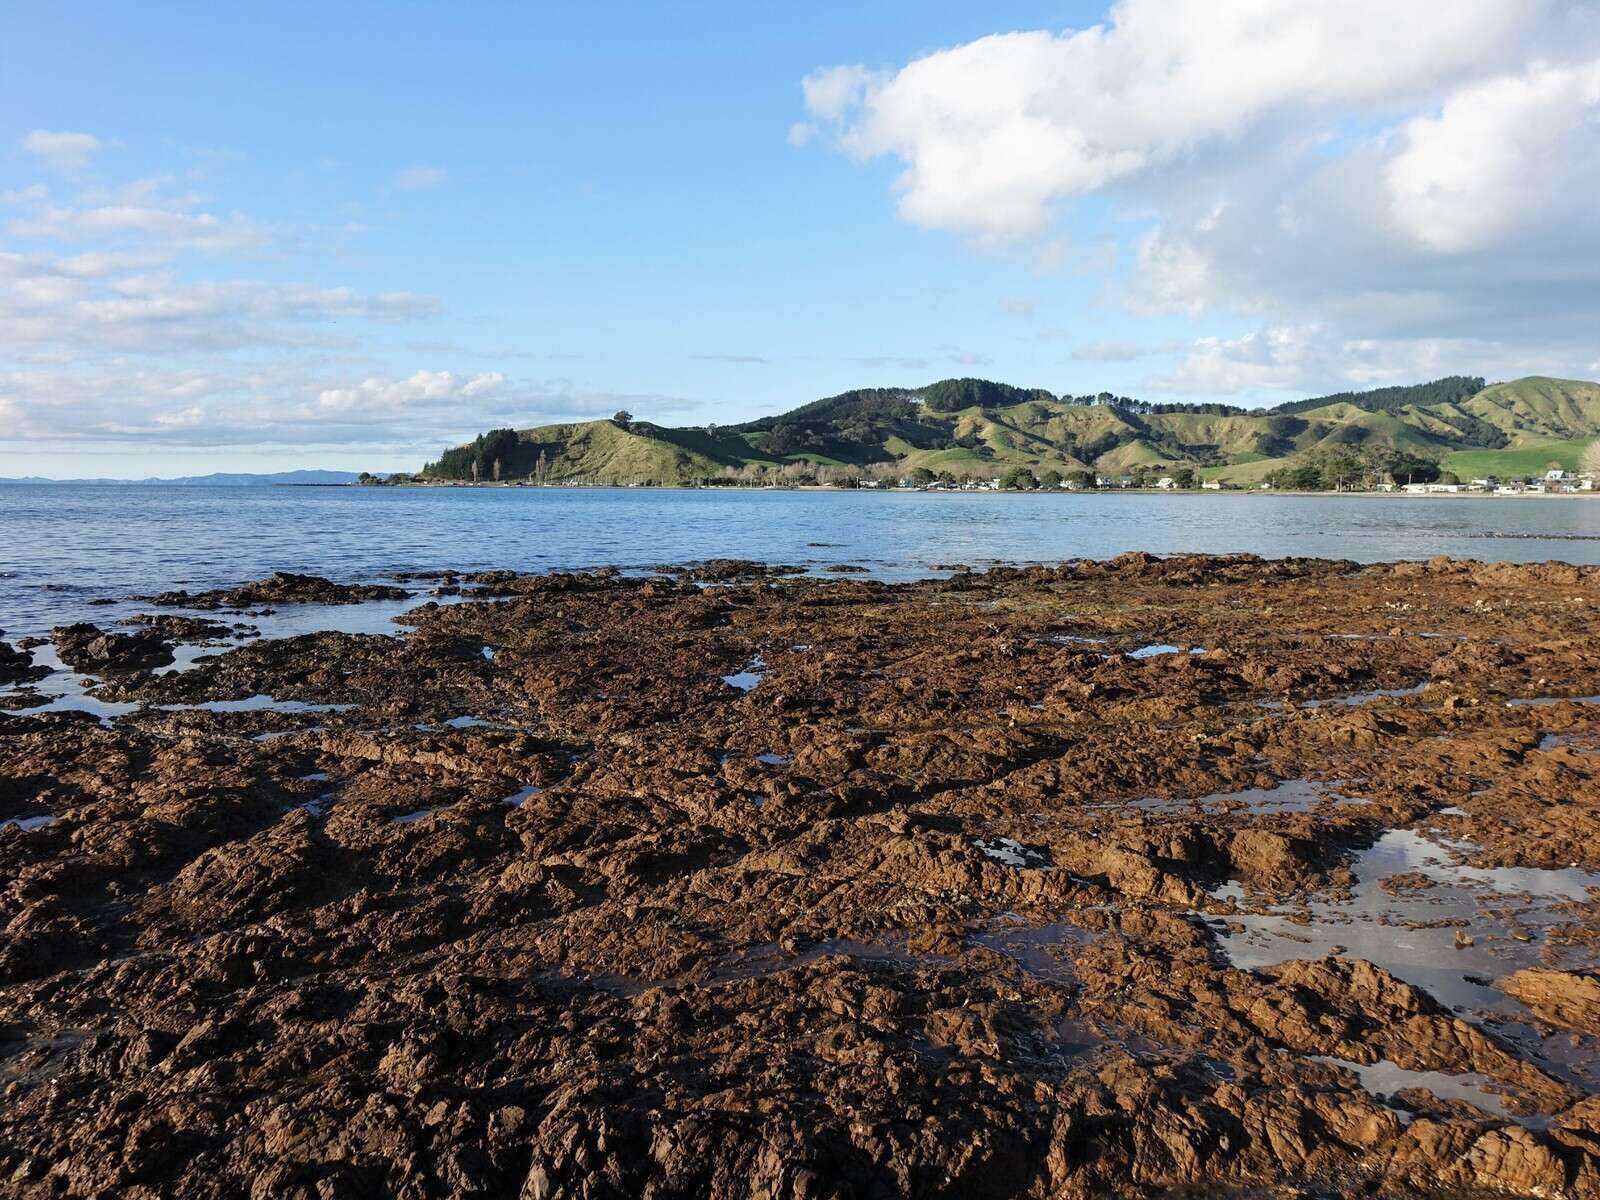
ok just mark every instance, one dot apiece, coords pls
pixel 1193 876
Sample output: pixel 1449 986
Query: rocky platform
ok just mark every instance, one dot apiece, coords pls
pixel 1194 876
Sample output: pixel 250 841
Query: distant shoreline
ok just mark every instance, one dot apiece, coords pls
pixel 815 487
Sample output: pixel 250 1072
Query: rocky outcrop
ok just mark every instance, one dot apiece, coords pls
pixel 1569 999
pixel 284 587
pixel 955 899
pixel 87 647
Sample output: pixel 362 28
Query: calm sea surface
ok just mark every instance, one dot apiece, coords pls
pixel 63 546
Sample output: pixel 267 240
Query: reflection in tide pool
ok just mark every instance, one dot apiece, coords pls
pixel 1412 933
pixel 1384 1078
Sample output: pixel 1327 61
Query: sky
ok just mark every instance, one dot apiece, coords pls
pixel 259 237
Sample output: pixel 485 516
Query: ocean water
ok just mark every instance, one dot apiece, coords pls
pixel 63 546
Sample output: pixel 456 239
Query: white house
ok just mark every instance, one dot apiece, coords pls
pixel 1165 482
pixel 1212 485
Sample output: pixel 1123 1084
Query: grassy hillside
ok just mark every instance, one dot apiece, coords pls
pixel 1532 458
pixel 1539 408
pixel 982 429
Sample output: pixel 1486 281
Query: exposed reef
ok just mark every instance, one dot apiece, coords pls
pixel 1197 875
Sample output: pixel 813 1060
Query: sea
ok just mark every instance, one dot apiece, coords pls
pixel 65 550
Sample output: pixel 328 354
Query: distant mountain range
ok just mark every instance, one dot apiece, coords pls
pixel 981 429
pixel 219 479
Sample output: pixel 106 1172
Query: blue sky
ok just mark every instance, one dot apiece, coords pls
pixel 250 237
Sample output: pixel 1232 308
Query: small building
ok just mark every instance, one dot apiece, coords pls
pixel 1166 483
pixel 1212 485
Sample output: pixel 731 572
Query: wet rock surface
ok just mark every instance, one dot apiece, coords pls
pixel 284 587
pixel 17 666
pixel 87 647
pixel 956 898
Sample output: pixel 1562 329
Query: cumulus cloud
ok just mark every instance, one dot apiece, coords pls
pixel 1429 185
pixel 62 149
pixel 418 178
pixel 1510 153
pixel 1312 359
pixel 392 396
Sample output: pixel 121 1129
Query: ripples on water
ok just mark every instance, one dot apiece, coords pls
pixel 64 546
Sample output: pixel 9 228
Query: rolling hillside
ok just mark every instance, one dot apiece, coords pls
pixel 982 429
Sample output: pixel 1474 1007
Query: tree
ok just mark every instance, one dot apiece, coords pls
pixel 1050 479
pixel 1449 477
pixel 1589 463
pixel 366 479
pixel 1183 477
pixel 1083 479
pixel 1018 479
pixel 622 419
pixel 922 477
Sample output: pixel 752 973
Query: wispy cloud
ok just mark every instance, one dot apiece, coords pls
pixel 1115 351
pixel 419 178
pixel 63 149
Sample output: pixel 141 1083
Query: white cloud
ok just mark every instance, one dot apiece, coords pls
pixel 831 92
pixel 1017 306
pixel 62 149
pixel 1398 173
pixel 417 178
pixel 1506 154
pixel 1316 360
pixel 91 302
pixel 393 396
pixel 1109 352
pixel 111 338
pixel 182 230
pixel 125 403
pixel 97 264
pixel 994 132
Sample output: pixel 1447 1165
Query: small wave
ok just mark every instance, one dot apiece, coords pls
pixel 1535 537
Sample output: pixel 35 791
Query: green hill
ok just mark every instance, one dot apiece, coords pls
pixel 981 429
